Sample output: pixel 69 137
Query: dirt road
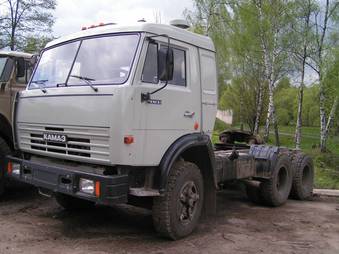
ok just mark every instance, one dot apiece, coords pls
pixel 33 224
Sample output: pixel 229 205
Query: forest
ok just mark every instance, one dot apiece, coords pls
pixel 278 67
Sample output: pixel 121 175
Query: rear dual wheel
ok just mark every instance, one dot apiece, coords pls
pixel 302 186
pixel 274 191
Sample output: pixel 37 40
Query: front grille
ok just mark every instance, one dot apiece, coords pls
pixel 74 146
pixel 82 142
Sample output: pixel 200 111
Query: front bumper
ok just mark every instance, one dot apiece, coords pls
pixel 109 189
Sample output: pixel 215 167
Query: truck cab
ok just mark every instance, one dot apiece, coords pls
pixel 15 71
pixel 124 114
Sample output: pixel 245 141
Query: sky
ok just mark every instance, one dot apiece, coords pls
pixel 72 15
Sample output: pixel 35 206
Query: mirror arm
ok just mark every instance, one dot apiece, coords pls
pixel 147 96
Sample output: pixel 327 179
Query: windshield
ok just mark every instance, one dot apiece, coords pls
pixel 2 64
pixel 104 60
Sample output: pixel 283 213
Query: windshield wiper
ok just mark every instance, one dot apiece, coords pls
pixel 87 80
pixel 41 84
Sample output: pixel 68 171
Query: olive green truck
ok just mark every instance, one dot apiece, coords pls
pixel 15 70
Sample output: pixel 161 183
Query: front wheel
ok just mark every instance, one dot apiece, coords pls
pixel 177 212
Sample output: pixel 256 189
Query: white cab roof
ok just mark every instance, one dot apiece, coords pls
pixel 157 29
pixel 16 54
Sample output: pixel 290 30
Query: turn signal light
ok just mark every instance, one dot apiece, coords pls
pixel 128 140
pixel 97 189
pixel 9 168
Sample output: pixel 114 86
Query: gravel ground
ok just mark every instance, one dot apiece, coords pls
pixel 30 223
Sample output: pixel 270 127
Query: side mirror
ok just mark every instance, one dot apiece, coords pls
pixel 34 60
pixel 20 67
pixel 165 64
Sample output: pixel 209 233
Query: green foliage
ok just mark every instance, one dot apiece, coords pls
pixel 311 106
pixel 240 96
pixel 36 44
pixel 220 126
pixel 25 19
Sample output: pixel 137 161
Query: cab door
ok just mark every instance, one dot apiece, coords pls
pixel 24 70
pixel 172 112
pixel 7 70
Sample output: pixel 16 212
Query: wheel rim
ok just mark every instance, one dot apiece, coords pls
pixel 282 179
pixel 188 202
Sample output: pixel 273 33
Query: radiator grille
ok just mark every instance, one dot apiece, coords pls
pixel 91 143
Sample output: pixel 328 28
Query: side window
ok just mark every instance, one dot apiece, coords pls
pixel 28 72
pixel 179 72
pixel 150 71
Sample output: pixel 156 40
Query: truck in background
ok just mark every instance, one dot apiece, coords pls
pixel 117 114
pixel 15 70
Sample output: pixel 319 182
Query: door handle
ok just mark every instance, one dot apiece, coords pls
pixel 189 114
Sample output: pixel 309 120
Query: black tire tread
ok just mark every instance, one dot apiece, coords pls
pixel 296 191
pixel 267 186
pixel 161 209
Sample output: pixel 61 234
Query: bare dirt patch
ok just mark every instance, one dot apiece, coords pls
pixel 30 223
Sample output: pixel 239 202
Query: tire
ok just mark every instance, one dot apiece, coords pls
pixel 4 151
pixel 275 191
pixel 176 214
pixel 303 179
pixel 72 203
pixel 254 194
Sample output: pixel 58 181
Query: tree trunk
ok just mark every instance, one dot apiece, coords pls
pixel 322 119
pixel 276 129
pixel 259 109
pixel 306 28
pixel 300 104
pixel 330 119
pixel 241 113
pixel 322 96
pixel 299 116
pixel 269 113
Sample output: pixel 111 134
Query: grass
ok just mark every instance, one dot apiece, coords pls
pixel 326 164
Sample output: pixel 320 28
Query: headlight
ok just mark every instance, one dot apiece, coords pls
pixel 16 169
pixel 87 186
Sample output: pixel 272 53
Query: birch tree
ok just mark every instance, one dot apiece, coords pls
pixel 322 20
pixel 273 17
pixel 301 50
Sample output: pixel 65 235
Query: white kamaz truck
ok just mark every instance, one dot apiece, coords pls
pixel 124 114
